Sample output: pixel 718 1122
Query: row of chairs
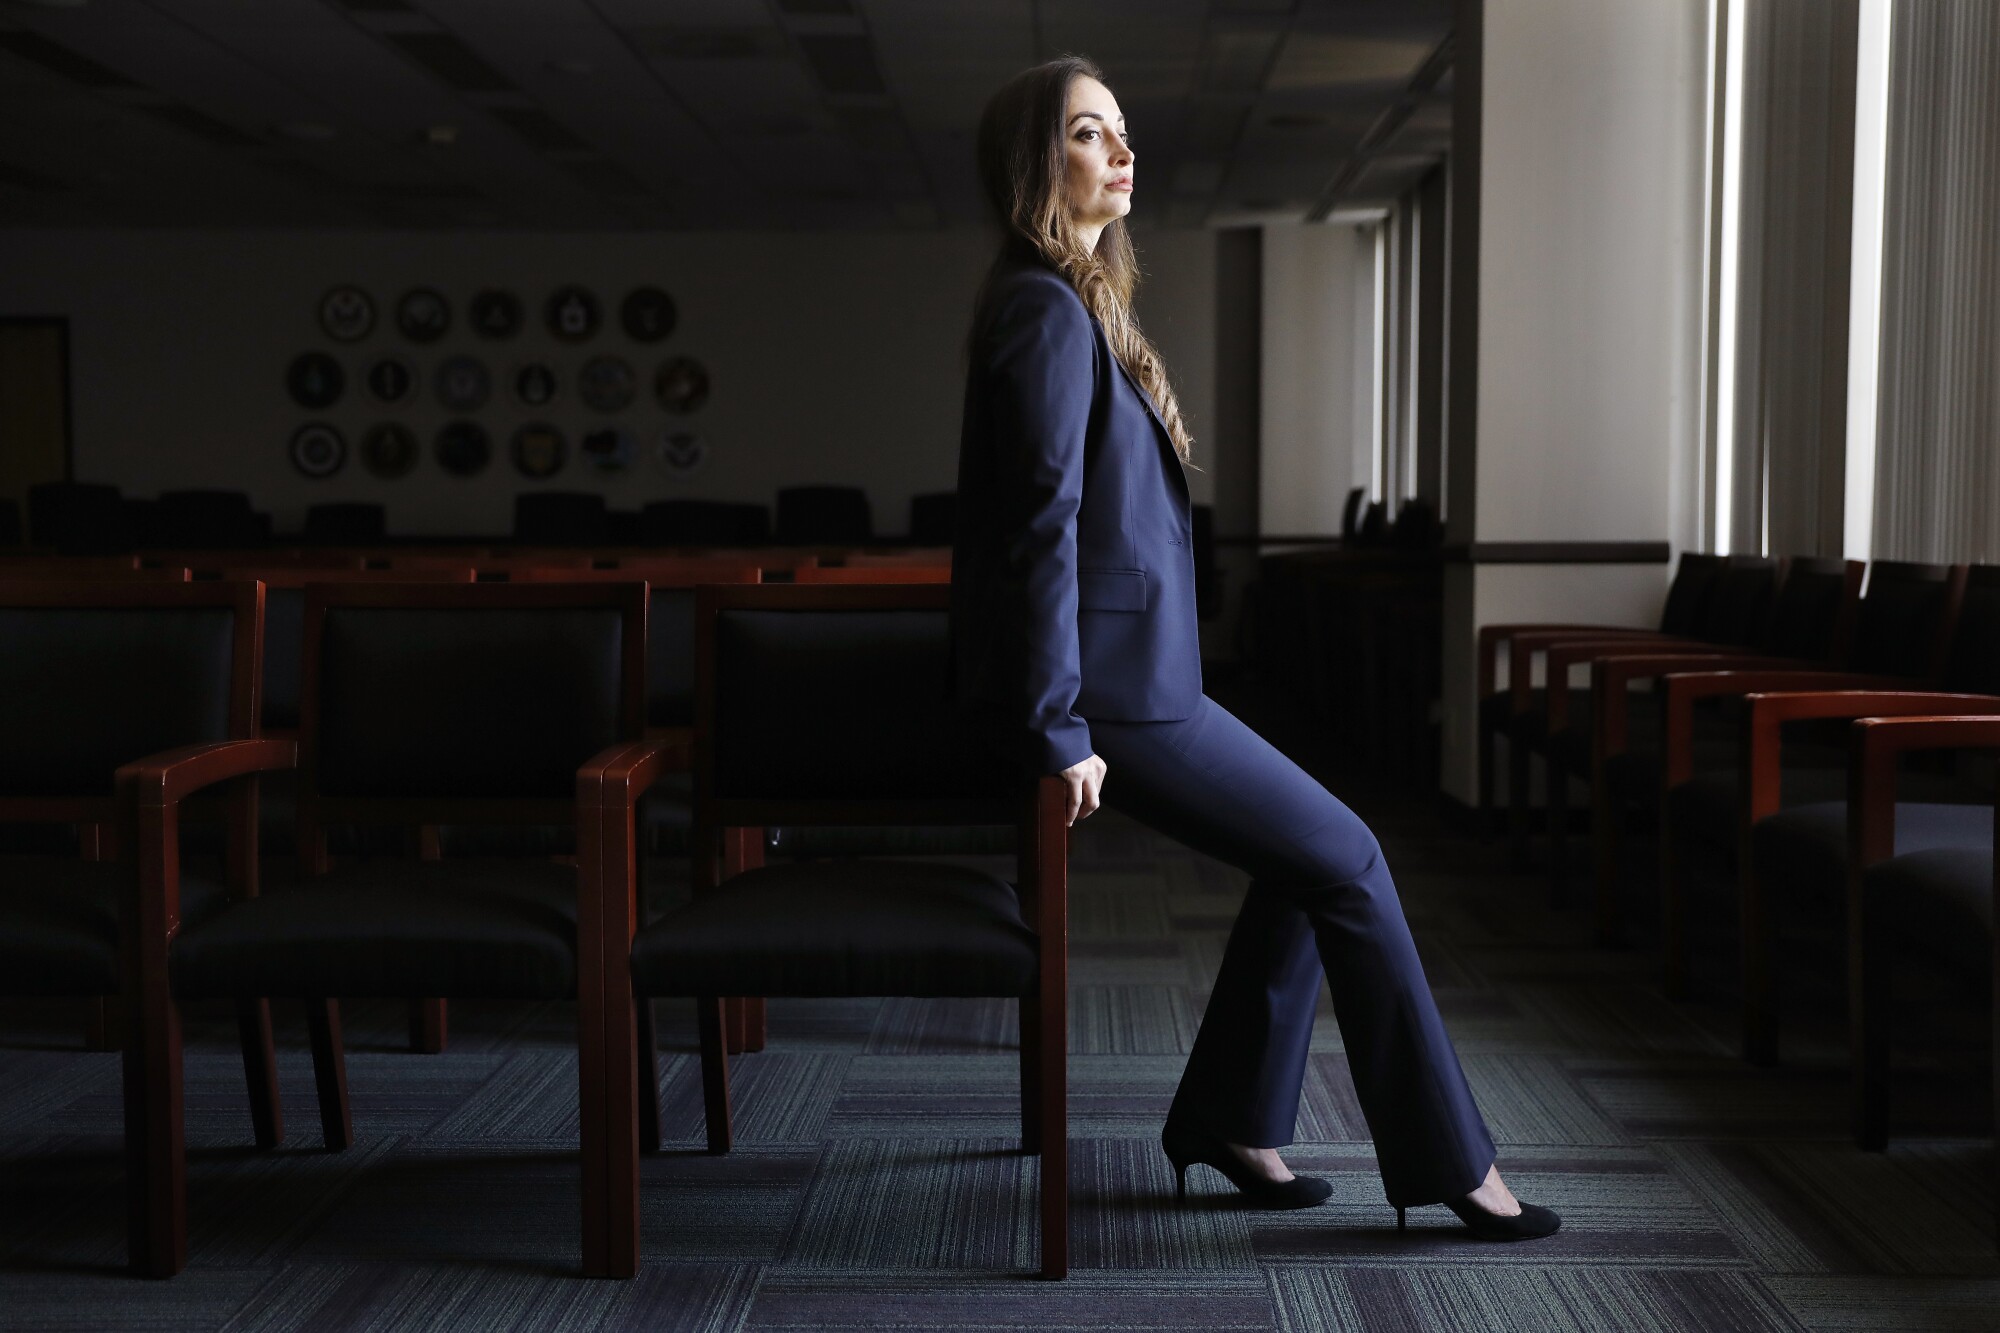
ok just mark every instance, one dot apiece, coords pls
pixel 1815 747
pixel 81 517
pixel 812 705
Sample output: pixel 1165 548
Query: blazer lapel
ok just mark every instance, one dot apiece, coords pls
pixel 1172 460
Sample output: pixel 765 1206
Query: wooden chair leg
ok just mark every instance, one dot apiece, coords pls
pixel 1053 1087
pixel 155 1146
pixel 1760 1015
pixel 1520 811
pixel 733 1035
pixel 1031 1076
pixel 260 1071
pixel 648 1076
pixel 330 1073
pixel 103 1024
pixel 427 1026
pixel 1487 783
pixel 1673 916
pixel 714 1073
pixel 756 1027
pixel 1556 799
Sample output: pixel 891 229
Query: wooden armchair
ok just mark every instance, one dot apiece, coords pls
pixel 93 677
pixel 826 705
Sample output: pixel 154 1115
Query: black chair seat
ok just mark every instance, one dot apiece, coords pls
pixel 490 928
pixel 1800 853
pixel 1941 899
pixel 59 922
pixel 892 840
pixel 842 928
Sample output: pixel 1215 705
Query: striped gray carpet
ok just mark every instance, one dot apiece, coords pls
pixel 875 1183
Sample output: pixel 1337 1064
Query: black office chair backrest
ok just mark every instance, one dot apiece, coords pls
pixel 1974 662
pixel 346 522
pixel 1901 625
pixel 561 518
pixel 836 693
pixel 1807 615
pixel 78 518
pixel 95 675
pixel 934 519
pixel 1693 588
pixel 10 522
pixel 819 515
pixel 1740 601
pixel 706 523
pixel 467 692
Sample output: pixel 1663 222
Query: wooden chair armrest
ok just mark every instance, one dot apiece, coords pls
pixel 1492 636
pixel 1684 687
pixel 1763 728
pixel 617 777
pixel 1561 656
pixel 1611 677
pixel 1875 743
pixel 171 776
pixel 1522 647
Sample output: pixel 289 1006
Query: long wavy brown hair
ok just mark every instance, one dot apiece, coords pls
pixel 1024 165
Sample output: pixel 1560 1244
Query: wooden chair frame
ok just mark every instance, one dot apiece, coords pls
pixel 1037 814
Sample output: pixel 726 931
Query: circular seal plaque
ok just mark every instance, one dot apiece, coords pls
pixel 315 380
pixel 682 452
pixel 607 384
pixel 318 450
pixel 391 380
pixel 539 450
pixel 573 314
pixel 423 315
pixel 681 384
pixel 535 384
pixel 346 314
pixel 610 449
pixel 389 450
pixel 495 314
pixel 463 384
pixel 648 314
pixel 463 448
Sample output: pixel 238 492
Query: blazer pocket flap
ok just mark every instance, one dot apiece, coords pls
pixel 1111 590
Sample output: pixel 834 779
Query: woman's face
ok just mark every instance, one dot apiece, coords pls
pixel 1100 159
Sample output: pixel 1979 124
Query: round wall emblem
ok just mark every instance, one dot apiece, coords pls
pixel 463 448
pixel 682 452
pixel 539 450
pixel 315 380
pixel 389 450
pixel 463 384
pixel 346 314
pixel 495 314
pixel 681 384
pixel 647 314
pixel 318 450
pixel 606 384
pixel 572 314
pixel 610 449
pixel 535 384
pixel 392 380
pixel 423 315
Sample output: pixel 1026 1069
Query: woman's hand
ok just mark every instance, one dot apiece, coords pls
pixel 1083 779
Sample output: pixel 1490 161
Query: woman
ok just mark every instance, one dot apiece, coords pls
pixel 1075 651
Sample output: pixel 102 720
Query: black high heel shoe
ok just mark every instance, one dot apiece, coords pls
pixel 1184 1147
pixel 1531 1223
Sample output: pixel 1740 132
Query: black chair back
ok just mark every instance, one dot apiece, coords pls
pixel 463 703
pixel 1973 665
pixel 97 674
pixel 78 518
pixel 1740 601
pixel 1812 613
pixel 706 523
pixel 823 515
pixel 810 689
pixel 346 523
pixel 207 519
pixel 1904 622
pixel 561 518
pixel 1693 588
pixel 10 523
pixel 934 519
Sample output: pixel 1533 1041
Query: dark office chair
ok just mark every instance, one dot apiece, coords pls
pixel 826 705
pixel 345 523
pixel 560 518
pixel 823 516
pixel 209 520
pixel 10 523
pixel 706 523
pixel 73 710
pixel 78 518
pixel 423 704
pixel 934 519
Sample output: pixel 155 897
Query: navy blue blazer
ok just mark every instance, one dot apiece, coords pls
pixel 1073 570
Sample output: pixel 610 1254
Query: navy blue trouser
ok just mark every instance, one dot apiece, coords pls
pixel 1321 902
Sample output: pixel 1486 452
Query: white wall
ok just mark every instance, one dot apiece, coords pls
pixel 834 357
pixel 1589 272
pixel 1318 369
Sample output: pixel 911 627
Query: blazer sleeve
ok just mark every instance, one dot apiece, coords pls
pixel 1042 374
